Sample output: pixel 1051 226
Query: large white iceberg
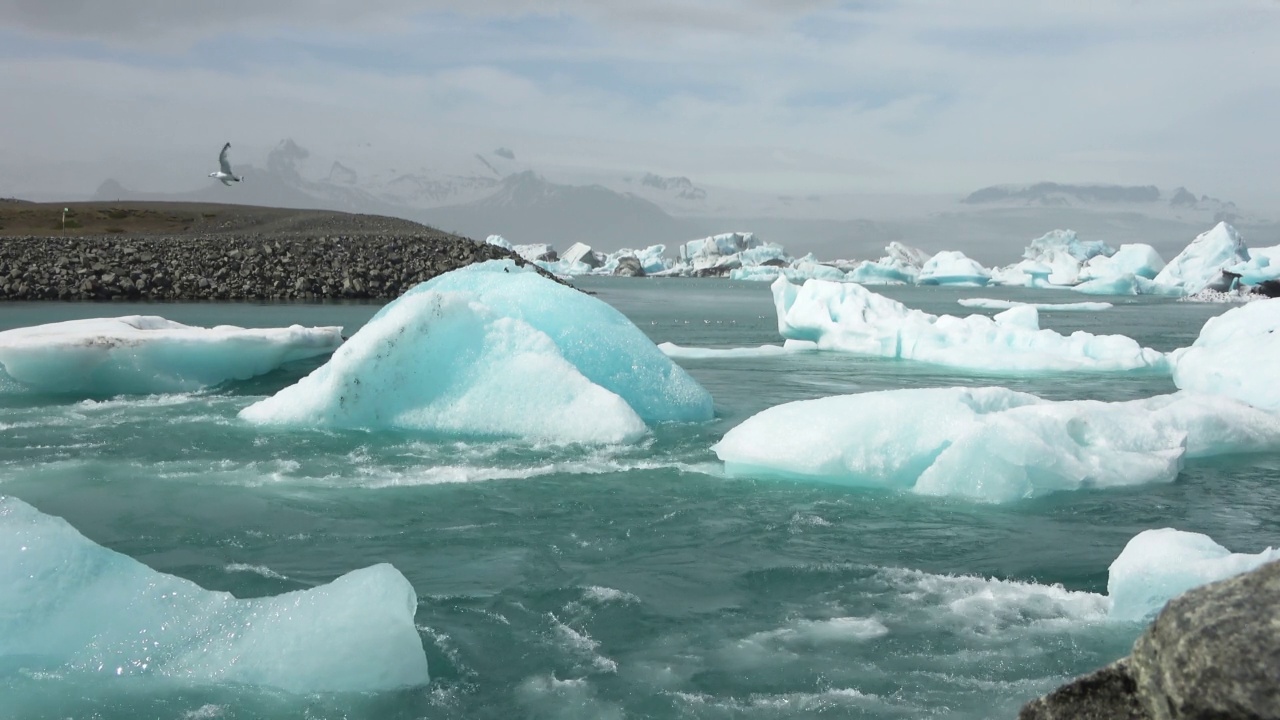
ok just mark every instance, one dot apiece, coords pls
pixel 850 318
pixel 1201 263
pixel 1263 265
pixel 1158 565
pixel 149 354
pixel 70 605
pixel 1236 355
pixel 1131 259
pixel 952 267
pixel 495 350
pixel 990 444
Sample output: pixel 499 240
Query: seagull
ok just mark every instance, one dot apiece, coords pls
pixel 225 174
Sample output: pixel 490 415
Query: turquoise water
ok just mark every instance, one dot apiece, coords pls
pixel 619 582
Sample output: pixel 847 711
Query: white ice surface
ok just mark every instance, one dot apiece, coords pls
pixel 70 605
pixel 990 444
pixel 495 350
pixel 149 354
pixel 1202 262
pixel 994 304
pixel 1237 354
pixel 1158 565
pixel 850 318
pixel 700 353
pixel 1131 259
pixel 952 267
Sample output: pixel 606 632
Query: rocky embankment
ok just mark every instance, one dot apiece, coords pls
pixel 1212 653
pixel 305 256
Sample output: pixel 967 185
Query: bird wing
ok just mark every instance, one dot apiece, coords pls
pixel 222 159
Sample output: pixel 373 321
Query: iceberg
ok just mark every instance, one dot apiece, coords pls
pixel 993 304
pixel 1136 259
pixel 1125 284
pixel 1263 265
pixel 1201 263
pixel 1158 565
pixel 1235 355
pixel 900 266
pixel 990 444
pixel 699 353
pixel 72 606
pixel 849 318
pixel 144 354
pixel 1052 259
pixel 799 272
pixel 496 350
pixel 952 267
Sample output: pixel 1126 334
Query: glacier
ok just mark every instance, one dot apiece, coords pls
pixel 1158 565
pixel 990 444
pixel 72 606
pixel 849 318
pixel 495 350
pixel 145 354
pixel 1235 355
pixel 1201 263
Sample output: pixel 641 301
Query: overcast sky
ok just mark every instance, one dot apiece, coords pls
pixel 787 96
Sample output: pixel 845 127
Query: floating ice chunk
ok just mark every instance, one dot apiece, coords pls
pixel 495 350
pixel 801 271
pixel 74 606
pixel 993 304
pixel 850 318
pixel 1158 565
pixel 1263 265
pixel 1235 355
pixel 1126 284
pixel 723 244
pixel 1052 259
pixel 990 444
pixel 149 354
pixel 697 353
pixel 652 260
pixel 952 267
pixel 1201 263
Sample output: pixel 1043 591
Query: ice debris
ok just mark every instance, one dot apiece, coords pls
pixel 1235 355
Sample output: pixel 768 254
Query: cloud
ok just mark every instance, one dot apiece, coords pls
pixel 811 96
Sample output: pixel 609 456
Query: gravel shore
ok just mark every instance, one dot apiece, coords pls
pixel 254 254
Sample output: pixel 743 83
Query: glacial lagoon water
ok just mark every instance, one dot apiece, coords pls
pixel 618 582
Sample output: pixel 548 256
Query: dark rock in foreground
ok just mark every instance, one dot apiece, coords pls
pixel 312 258
pixel 1212 653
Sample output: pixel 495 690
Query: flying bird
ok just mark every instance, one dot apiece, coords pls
pixel 225 175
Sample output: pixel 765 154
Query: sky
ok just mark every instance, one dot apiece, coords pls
pixel 779 96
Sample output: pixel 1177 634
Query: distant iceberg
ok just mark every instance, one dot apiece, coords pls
pixel 990 444
pixel 952 267
pixel 994 304
pixel 849 318
pixel 900 266
pixel 72 606
pixel 1054 259
pixel 145 354
pixel 1237 354
pixel 1158 565
pixel 493 349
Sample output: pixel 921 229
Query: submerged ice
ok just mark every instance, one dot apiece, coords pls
pixel 495 350
pixel 70 605
pixel 148 354
pixel 850 318
pixel 990 444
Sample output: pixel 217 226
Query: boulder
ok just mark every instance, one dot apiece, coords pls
pixel 629 266
pixel 1213 652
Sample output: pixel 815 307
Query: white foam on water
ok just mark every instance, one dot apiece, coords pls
pixel 262 570
pixel 582 646
pixel 603 595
